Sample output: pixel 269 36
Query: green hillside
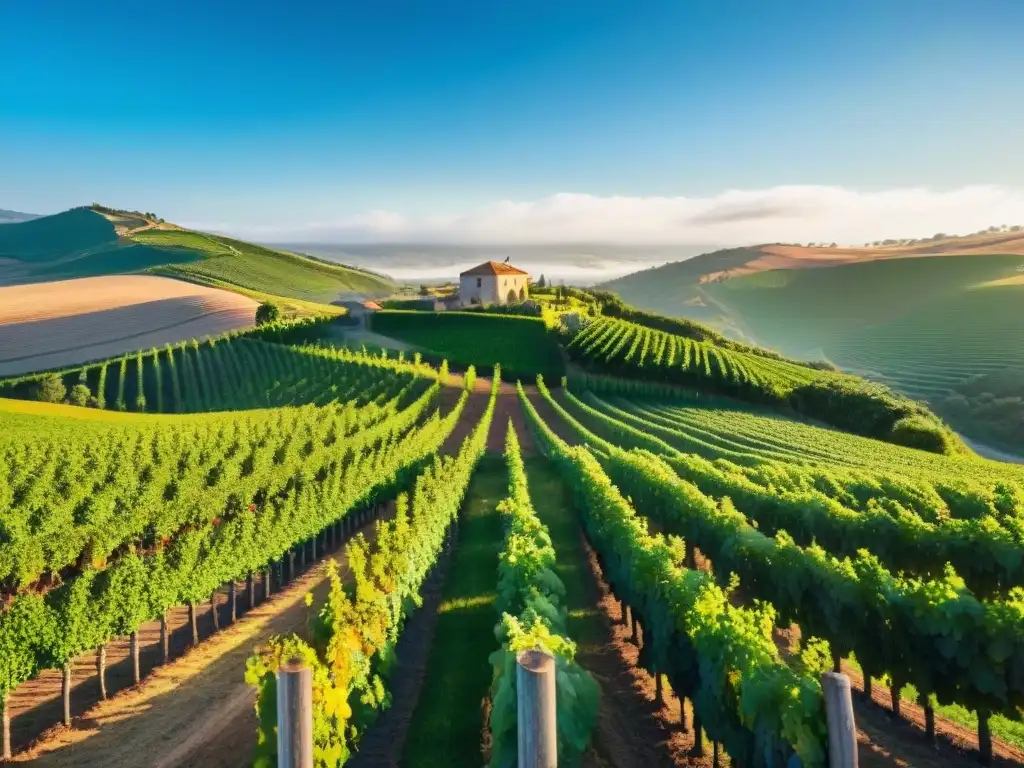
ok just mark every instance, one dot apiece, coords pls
pixel 676 288
pixel 201 469
pixel 83 243
pixel 920 325
pixel 803 311
pixel 227 262
pixel 75 243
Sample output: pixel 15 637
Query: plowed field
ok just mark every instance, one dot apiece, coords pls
pixel 58 324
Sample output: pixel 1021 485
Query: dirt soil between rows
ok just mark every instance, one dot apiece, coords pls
pixel 194 711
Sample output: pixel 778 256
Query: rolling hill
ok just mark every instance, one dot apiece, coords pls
pixel 12 217
pixel 920 322
pixel 86 242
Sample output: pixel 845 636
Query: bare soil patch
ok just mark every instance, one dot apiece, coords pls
pixel 69 322
pixel 800 257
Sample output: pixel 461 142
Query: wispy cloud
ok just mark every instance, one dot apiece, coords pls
pixel 788 213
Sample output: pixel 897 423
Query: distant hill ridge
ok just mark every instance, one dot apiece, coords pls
pixel 921 317
pixel 13 217
pixel 96 240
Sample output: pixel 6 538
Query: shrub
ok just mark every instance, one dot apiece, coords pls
pixel 268 312
pixel 50 389
pixel 918 432
pixel 80 396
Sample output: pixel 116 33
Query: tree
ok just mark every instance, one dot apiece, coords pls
pixel 50 389
pixel 833 245
pixel 424 291
pixel 268 312
pixel 542 283
pixel 80 395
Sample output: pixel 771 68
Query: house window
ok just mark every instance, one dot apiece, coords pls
pixel 479 282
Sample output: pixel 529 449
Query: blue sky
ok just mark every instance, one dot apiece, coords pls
pixel 304 114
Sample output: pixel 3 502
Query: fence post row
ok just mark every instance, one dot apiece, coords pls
pixel 294 715
pixel 842 730
pixel 536 710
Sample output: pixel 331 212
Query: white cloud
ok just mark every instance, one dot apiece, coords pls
pixel 786 214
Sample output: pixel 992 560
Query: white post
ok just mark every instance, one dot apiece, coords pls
pixel 295 716
pixel 842 730
pixel 535 693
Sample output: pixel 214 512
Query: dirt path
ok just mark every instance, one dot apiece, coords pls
pixel 632 731
pixel 196 710
pixel 551 417
pixel 506 408
pixel 881 737
pixel 382 744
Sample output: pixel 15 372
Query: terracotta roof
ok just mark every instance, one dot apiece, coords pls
pixel 494 268
pixel 357 303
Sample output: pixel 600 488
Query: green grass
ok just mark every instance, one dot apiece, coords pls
pixel 550 498
pixel 448 724
pixel 521 345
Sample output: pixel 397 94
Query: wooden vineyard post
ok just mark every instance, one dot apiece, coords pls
pixel 842 730
pixel 291 565
pixel 65 689
pixel 867 685
pixel 136 672
pixel 984 738
pixel 213 610
pixel 101 670
pixel 294 716
pixel 698 736
pixel 233 600
pixel 535 709
pixel 5 729
pixel 929 717
pixel 165 638
pixel 268 574
pixel 302 558
pixel 250 584
pixel 194 623
pixel 659 696
pixel 634 638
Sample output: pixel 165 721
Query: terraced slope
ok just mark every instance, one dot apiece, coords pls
pixel 226 262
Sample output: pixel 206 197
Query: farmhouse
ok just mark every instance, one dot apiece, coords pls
pixel 359 310
pixel 493 283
